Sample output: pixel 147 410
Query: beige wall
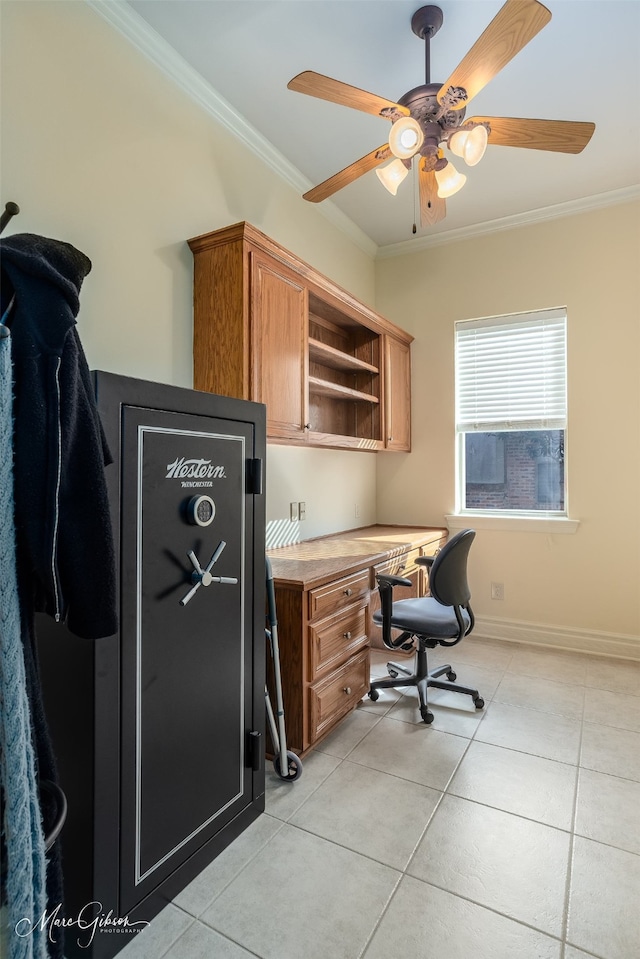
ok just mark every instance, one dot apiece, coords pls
pixel 588 582
pixel 100 149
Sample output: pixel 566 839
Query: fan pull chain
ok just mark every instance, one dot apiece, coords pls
pixel 415 229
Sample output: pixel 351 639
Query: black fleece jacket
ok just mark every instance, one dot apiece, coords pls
pixel 64 536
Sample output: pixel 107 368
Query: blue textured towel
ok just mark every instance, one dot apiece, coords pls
pixel 22 824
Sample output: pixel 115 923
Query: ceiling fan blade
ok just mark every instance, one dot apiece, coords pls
pixel 325 88
pixel 559 136
pixel 432 207
pixel 515 24
pixel 348 175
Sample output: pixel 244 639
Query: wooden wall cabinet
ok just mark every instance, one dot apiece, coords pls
pixel 279 354
pixel 398 395
pixel 270 328
pixel 326 594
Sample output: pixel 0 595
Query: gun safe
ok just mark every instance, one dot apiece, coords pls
pixel 159 730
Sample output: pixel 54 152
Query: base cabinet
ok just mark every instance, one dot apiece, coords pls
pixel 325 606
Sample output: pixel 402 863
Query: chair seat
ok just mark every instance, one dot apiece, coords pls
pixel 424 617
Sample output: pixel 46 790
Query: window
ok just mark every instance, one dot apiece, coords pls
pixel 511 412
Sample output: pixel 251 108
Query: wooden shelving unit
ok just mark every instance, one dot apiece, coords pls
pixel 270 328
pixel 324 388
pixel 337 360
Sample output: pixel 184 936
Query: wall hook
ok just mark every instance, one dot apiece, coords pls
pixel 10 211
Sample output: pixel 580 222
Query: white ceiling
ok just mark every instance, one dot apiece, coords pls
pixel 584 65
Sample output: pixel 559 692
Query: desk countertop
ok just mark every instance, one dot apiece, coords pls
pixel 317 561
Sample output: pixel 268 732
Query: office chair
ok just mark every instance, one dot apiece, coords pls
pixel 441 619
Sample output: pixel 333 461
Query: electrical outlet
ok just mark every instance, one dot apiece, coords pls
pixel 357 510
pixel 293 512
pixel 302 511
pixel 497 591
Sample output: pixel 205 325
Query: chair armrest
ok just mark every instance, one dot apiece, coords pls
pixel 385 588
pixel 384 580
pixel 425 560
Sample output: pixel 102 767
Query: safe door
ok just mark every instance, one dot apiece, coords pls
pixel 186 639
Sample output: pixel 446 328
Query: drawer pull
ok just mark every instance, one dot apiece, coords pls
pixel 348 591
pixel 347 635
pixel 347 690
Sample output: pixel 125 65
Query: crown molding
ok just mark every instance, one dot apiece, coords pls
pixel 556 212
pixel 156 49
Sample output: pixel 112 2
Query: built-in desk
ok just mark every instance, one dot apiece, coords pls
pixel 325 596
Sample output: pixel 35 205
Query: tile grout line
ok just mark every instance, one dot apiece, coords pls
pixel 503 671
pixel 569 877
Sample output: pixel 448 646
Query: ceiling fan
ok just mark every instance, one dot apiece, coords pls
pixel 431 116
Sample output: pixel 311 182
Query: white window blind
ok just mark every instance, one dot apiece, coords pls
pixel 511 372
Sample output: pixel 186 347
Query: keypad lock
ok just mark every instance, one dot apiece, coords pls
pixel 201 510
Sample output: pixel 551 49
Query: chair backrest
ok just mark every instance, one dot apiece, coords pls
pixel 448 575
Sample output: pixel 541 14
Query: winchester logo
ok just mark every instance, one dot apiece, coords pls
pixel 194 469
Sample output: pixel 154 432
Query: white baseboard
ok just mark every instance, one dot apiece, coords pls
pixel 596 642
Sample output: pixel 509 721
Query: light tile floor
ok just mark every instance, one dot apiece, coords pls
pixel 511 833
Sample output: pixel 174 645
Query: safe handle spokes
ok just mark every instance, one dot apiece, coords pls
pixel 202 577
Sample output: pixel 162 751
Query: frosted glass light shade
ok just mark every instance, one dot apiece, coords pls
pixel 406 138
pixel 449 180
pixel 469 144
pixel 392 175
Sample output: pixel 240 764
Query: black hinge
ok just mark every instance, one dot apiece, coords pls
pixel 255 474
pixel 254 750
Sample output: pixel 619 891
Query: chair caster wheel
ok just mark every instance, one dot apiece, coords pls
pixel 374 695
pixel 451 676
pixel 427 716
pixel 479 702
pixel 392 673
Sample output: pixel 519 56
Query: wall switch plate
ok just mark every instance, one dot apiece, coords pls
pixel 302 511
pixel 293 512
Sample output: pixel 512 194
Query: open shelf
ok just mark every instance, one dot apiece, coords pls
pixel 325 388
pixel 336 359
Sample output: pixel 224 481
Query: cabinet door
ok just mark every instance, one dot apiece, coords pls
pixel 279 347
pixel 397 395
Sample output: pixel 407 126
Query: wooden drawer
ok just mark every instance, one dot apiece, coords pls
pixel 334 639
pixel 402 565
pixel 324 599
pixel 336 695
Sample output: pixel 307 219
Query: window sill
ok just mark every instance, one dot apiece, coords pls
pixel 523 524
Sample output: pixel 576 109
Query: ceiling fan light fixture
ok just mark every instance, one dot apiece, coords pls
pixel 392 175
pixel 470 144
pixel 406 138
pixel 449 180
